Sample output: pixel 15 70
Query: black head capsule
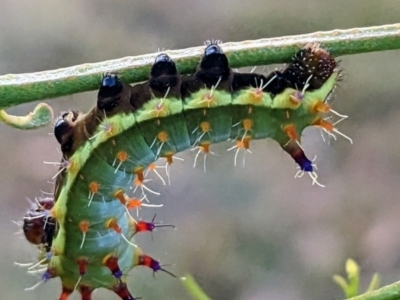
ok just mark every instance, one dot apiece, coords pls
pixel 164 76
pixel 214 65
pixel 63 126
pixel 163 65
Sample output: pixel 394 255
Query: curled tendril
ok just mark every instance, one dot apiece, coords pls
pixel 41 116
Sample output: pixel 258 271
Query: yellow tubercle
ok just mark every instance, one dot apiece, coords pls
pixel 287 99
pixel 253 96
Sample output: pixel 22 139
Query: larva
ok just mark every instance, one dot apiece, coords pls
pixel 108 152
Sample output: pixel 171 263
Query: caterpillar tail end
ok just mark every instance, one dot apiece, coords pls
pixel 305 165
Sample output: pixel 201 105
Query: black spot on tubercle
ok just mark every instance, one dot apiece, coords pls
pixel 163 73
pixel 214 65
pixel 213 49
pixel 109 96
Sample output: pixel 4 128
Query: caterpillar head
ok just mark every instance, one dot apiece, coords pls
pixel 311 67
pixel 63 129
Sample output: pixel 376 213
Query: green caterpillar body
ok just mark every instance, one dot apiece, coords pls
pixel 107 151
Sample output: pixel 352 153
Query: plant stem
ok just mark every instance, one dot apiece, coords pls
pixel 389 292
pixel 194 290
pixel 22 88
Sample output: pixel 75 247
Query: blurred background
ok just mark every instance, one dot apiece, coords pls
pixel 249 233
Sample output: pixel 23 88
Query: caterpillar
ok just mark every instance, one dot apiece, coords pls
pixel 85 231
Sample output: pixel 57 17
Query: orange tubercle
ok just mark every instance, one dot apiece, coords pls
pixel 323 124
pixel 139 176
pixel 162 136
pixel 84 226
pixel 291 132
pixel 256 95
pixel 243 144
pixel 94 187
pixel 246 143
pixel 205 147
pixel 133 203
pixel 247 124
pixel 294 100
pixel 122 156
pixel 205 126
pixel 112 224
pixel 169 158
pixel 320 107
pixel 120 195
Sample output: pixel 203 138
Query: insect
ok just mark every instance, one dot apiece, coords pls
pixel 108 152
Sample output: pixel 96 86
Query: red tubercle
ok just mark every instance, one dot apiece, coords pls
pixel 142 226
pixel 147 261
pixel 66 292
pixel 111 262
pixel 122 291
pixel 86 292
pixel 46 203
pixel 82 265
pixel 155 265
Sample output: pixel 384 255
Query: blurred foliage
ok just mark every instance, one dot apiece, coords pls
pixel 350 286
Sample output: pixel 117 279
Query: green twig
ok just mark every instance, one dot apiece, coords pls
pixel 389 292
pixel 41 116
pixel 23 88
pixel 193 288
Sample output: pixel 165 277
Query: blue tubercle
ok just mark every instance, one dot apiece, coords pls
pixel 109 80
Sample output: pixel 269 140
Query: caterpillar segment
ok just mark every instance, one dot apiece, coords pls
pixel 109 152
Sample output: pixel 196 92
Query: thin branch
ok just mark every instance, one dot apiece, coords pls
pixel 389 292
pixel 23 88
pixel 193 289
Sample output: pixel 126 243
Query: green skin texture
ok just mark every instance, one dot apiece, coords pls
pixel 135 133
